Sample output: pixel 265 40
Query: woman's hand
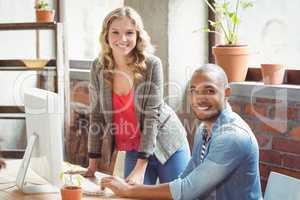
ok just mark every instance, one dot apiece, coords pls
pixel 136 177
pixel 91 168
pixel 117 185
pixel 137 174
pixel 2 164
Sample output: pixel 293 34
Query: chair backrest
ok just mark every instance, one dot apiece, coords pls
pixel 282 187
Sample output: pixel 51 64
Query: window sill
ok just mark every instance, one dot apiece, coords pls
pixel 80 74
pixel 258 89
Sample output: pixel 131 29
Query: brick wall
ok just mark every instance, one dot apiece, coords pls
pixel 76 142
pixel 276 126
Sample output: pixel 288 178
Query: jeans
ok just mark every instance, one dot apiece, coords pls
pixel 166 172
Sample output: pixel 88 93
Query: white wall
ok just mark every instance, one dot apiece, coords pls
pixel 84 22
pixel 187 48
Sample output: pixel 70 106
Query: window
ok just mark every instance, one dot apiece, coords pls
pixel 271 30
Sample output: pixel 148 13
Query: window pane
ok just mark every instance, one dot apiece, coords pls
pixel 272 30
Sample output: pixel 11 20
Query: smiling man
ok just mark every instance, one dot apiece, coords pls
pixel 225 161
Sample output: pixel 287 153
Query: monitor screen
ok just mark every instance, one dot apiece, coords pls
pixel 44 119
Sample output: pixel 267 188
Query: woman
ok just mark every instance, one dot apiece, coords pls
pixel 127 108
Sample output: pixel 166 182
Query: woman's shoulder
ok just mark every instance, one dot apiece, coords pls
pixel 152 59
pixel 96 66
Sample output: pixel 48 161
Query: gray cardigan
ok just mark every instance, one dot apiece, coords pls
pixel 161 131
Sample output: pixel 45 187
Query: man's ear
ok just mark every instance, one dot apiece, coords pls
pixel 227 92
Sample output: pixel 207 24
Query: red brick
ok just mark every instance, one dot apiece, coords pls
pixel 263 183
pixel 263 140
pixel 291 161
pixel 288 172
pixel 253 109
pixel 264 170
pixel 273 126
pixel 286 113
pixel 295 133
pixel 267 101
pixel 270 156
pixel 251 124
pixel 236 106
pixel 286 145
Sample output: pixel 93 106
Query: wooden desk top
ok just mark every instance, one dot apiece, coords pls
pixel 8 176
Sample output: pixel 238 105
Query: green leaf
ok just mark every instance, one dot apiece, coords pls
pixel 206 30
pixel 234 18
pixel 61 175
pixel 246 4
pixel 78 180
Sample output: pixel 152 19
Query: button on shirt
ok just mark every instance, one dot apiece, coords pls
pixel 230 167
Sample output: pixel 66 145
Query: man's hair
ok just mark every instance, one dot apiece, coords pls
pixel 217 72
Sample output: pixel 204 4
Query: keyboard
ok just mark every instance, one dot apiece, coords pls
pixel 90 187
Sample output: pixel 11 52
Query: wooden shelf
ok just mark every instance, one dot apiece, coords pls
pixel 12 112
pixel 27 26
pixel 12 153
pixel 12 68
pixel 11 109
pixel 17 63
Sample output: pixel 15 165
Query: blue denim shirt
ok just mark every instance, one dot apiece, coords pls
pixel 230 167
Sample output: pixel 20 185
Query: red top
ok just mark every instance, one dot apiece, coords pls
pixel 127 132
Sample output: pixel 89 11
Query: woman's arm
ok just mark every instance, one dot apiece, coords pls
pixel 154 99
pixel 94 145
pixel 136 176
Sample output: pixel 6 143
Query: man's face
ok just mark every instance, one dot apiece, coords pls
pixel 207 96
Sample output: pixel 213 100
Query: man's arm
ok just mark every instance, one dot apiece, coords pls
pixel 224 156
pixel 123 189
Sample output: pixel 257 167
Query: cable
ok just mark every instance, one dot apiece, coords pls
pixel 8 182
pixel 4 189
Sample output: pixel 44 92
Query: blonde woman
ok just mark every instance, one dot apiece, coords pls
pixel 127 108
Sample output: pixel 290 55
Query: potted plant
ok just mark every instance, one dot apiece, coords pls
pixel 71 190
pixel 272 73
pixel 43 13
pixel 231 56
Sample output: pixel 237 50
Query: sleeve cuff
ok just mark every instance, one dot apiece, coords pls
pixel 143 155
pixel 94 155
pixel 175 188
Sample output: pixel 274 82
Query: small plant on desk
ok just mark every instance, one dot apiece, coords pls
pixel 71 190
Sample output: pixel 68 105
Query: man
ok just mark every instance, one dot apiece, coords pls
pixel 225 157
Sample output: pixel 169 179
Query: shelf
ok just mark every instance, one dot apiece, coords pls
pixel 18 65
pixel 12 116
pixel 14 68
pixel 12 112
pixel 11 109
pixel 28 26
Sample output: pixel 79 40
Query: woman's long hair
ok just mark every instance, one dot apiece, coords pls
pixel 136 58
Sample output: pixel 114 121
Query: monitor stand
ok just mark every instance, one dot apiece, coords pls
pixel 28 188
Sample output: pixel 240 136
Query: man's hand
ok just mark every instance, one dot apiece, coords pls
pixel 117 185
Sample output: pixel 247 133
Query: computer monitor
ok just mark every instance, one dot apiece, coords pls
pixel 44 152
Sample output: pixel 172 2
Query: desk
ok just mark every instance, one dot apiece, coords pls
pixel 9 175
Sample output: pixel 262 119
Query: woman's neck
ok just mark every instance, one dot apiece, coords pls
pixel 120 62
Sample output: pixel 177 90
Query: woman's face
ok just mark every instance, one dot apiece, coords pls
pixel 122 36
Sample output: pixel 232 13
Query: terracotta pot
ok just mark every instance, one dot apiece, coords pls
pixel 43 16
pixel 272 73
pixel 233 59
pixel 71 193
